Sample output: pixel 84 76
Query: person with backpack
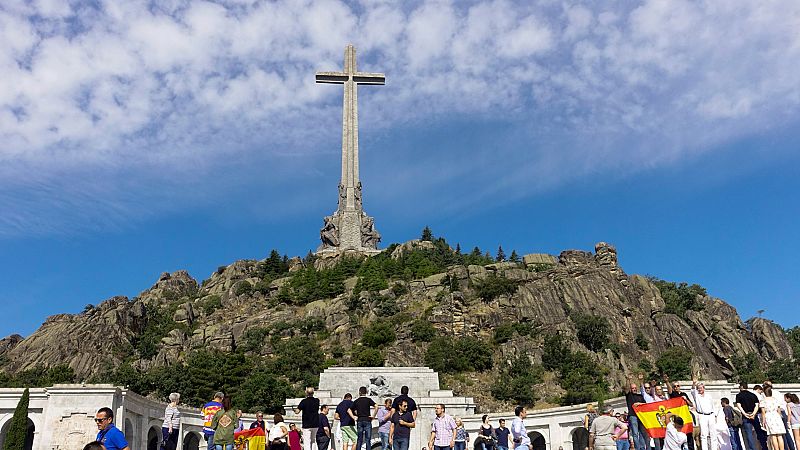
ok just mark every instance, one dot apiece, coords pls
pixel 733 418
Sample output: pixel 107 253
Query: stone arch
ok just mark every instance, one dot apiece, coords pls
pixel 127 429
pixel 153 438
pixel 191 441
pixel 30 431
pixel 537 441
pixel 580 438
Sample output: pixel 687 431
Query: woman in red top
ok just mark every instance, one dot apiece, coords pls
pixel 294 437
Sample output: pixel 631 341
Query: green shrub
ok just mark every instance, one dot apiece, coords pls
pixel 642 342
pixel 298 358
pixel 243 288
pixel 592 331
pixel 378 334
pixel 263 391
pixel 386 306
pixel 676 363
pixel 494 286
pixel 211 304
pixel 451 355
pixel 517 381
pixel 367 357
pixel 399 289
pixel 553 351
pixel 422 331
pixel 680 297
pixel 263 286
pixel 747 369
pixel 783 371
pixel 503 333
pixel 253 339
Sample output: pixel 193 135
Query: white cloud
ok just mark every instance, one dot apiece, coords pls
pixel 148 86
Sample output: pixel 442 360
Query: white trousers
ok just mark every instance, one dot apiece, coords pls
pixel 708 431
pixel 310 437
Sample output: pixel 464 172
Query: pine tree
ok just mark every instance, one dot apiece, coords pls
pixel 18 428
pixel 501 255
pixel 427 234
pixel 458 248
pixel 514 256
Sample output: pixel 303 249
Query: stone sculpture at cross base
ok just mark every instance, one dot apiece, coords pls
pixel 349 228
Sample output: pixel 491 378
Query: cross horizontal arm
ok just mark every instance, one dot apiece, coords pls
pixel 332 77
pixel 369 78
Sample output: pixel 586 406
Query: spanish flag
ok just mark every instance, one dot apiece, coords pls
pixel 654 416
pixel 254 439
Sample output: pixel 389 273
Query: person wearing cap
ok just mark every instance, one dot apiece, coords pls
pixel 706 415
pixel 209 411
pixel 602 435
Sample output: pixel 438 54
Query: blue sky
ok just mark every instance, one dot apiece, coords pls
pixel 139 138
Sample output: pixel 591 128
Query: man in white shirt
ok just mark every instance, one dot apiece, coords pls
pixel 518 433
pixel 675 438
pixel 706 415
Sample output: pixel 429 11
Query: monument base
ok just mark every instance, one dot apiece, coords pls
pixel 349 230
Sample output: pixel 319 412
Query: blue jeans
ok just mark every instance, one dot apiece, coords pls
pixel 459 445
pixel 748 430
pixel 761 435
pixel 210 441
pixel 364 430
pixel 400 443
pixel 384 440
pixel 226 447
pixel 639 433
pixel 623 444
pixel 500 447
pixel 736 444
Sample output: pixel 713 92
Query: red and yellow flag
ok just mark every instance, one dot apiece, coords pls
pixel 254 439
pixel 654 416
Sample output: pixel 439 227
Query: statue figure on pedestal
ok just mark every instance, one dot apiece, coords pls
pixel 329 233
pixel 369 235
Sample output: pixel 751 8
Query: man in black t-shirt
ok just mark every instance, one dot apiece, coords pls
pixel 412 405
pixel 637 429
pixel 400 430
pixel 324 430
pixel 747 403
pixel 346 423
pixel 309 406
pixel 363 411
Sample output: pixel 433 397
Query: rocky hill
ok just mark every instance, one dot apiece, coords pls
pixel 407 304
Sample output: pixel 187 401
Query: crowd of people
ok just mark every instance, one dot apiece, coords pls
pixel 762 418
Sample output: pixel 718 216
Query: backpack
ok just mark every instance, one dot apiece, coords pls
pixel 737 418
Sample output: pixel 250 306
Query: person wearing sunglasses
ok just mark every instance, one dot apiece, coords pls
pixel 108 434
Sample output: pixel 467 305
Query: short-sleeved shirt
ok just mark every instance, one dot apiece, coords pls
pixel 603 428
pixel 443 427
pixel 344 419
pixel 674 439
pixel 384 421
pixel 362 408
pixel 748 401
pixel 502 436
pixel 323 423
pixel 402 431
pixel 172 417
pixel 112 438
pixel 259 424
pixel 310 409
pixel 412 405
pixel 630 399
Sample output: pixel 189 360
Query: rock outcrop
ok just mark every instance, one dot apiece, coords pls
pixel 218 313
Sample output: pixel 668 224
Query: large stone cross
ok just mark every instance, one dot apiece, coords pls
pixel 350 186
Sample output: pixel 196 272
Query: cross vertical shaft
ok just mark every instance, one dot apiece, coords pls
pixel 349 227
